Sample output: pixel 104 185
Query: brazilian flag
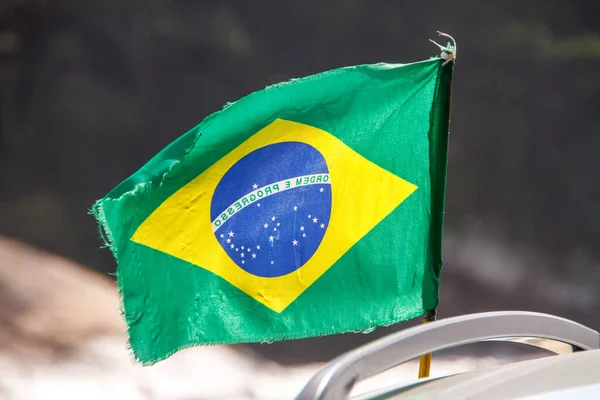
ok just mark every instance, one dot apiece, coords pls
pixel 312 207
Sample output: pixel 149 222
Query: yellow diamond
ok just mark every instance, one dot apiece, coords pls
pixel 363 194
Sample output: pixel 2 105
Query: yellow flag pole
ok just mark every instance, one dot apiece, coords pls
pixel 448 54
pixel 425 360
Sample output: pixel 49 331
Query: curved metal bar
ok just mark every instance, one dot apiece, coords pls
pixel 336 379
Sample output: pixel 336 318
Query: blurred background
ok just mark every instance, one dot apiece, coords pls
pixel 90 90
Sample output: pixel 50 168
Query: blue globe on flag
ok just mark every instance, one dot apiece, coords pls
pixel 271 209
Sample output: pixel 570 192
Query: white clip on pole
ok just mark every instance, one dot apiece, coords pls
pixel 449 51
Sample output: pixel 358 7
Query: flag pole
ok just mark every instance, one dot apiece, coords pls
pixel 425 360
pixel 448 54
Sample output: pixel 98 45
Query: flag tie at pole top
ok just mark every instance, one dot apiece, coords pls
pixel 448 51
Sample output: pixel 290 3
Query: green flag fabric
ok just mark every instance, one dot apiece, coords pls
pixel 312 207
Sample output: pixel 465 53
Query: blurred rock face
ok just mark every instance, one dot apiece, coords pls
pixel 50 303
